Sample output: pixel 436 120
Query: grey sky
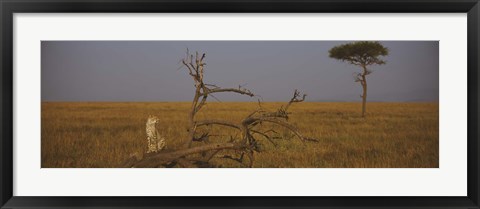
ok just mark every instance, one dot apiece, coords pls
pixel 147 71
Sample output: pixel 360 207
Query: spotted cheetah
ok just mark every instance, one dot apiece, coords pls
pixel 154 140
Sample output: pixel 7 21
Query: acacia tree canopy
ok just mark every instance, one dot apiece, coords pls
pixel 360 53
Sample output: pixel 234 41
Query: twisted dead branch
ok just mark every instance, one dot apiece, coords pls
pixel 249 128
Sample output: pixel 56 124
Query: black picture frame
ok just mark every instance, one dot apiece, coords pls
pixel 9 7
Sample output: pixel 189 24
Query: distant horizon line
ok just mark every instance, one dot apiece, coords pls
pixel 327 101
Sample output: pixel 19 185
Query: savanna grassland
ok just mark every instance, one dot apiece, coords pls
pixel 393 135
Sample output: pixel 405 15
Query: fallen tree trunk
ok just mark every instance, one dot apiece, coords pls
pixel 162 159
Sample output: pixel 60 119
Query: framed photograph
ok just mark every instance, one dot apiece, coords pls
pixel 239 104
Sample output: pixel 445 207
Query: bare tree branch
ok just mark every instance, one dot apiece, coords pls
pixel 217 122
pixel 239 91
pixel 247 144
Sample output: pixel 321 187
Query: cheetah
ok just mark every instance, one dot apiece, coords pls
pixel 155 141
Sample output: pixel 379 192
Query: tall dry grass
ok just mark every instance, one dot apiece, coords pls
pixel 393 135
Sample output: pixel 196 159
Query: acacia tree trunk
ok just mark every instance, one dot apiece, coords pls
pixel 364 95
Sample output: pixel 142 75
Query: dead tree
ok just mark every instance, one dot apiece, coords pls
pixel 249 128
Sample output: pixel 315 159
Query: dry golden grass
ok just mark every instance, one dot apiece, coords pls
pixel 393 135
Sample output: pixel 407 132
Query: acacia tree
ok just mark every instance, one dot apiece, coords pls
pixel 363 54
pixel 250 130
